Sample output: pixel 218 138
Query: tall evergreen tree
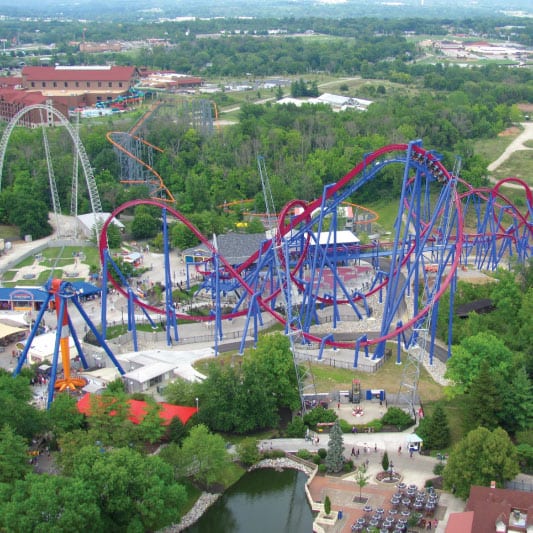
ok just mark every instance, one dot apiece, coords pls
pixel 517 405
pixel 385 462
pixel 482 400
pixel 335 456
pixel 435 430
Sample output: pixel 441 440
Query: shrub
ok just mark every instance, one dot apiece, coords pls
pixel 397 417
pixel 322 468
pixel 438 469
pixel 376 425
pixel 304 454
pixel 317 460
pixel 319 414
pixel 274 454
pixel 296 429
pixel 322 452
pixel 327 505
pixel 346 427
pixel 248 452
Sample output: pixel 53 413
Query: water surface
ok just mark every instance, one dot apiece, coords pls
pixel 262 501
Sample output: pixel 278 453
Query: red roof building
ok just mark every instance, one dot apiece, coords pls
pixel 494 510
pixel 80 85
pixel 138 410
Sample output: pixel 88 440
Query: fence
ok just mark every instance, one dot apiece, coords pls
pixel 364 365
pixel 194 333
pixel 523 485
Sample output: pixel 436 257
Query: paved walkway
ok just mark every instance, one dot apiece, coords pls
pixel 414 470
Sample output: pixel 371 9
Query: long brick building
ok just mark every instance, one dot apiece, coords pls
pixel 80 85
pixel 64 88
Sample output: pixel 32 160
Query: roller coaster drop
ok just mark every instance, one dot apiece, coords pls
pixel 407 276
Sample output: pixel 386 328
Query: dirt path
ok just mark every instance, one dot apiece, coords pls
pixel 516 144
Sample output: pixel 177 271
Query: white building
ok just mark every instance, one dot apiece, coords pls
pixel 91 222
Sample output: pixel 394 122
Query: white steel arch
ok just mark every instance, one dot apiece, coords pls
pixel 80 150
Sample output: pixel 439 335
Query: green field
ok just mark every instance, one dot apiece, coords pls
pixel 519 165
pixel 56 261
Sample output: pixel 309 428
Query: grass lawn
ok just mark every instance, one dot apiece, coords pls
pixel 387 211
pixel 54 260
pixel 388 377
pixel 232 474
pixel 328 378
pixel 517 166
pixel 453 410
pixel 9 233
pixel 491 149
pixel 193 493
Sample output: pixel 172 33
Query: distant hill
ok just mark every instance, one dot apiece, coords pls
pixel 137 9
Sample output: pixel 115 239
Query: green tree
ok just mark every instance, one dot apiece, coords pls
pixel 108 418
pixel 204 455
pixel 114 236
pixel 482 403
pixel 150 428
pixel 466 360
pixel 255 226
pixel 335 457
pixel 176 430
pixel 434 430
pixel 361 479
pixel 15 395
pixel 145 226
pixel 479 458
pixel 385 461
pixel 516 412
pixel 236 401
pixel 296 429
pixel 116 387
pixel 63 415
pixel 13 457
pixel 182 237
pixel 397 417
pixel 181 392
pixel 272 360
pixel 248 452
pixel 135 492
pixel 48 503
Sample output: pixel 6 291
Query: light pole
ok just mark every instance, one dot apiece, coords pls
pixel 196 403
pixel 391 470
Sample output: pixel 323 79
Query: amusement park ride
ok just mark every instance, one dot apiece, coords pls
pixel 302 276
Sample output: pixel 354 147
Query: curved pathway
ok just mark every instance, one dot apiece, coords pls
pixel 516 145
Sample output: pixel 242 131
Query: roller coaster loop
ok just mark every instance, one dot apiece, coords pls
pixel 385 289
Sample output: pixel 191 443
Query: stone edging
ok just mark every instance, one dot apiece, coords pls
pixel 201 505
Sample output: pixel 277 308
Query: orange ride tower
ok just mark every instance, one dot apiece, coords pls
pixel 67 382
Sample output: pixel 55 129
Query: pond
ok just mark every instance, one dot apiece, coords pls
pixel 262 501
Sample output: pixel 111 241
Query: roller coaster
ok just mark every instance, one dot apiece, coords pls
pixel 345 295
pixel 371 293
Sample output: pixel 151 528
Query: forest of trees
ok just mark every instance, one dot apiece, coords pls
pixel 304 148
